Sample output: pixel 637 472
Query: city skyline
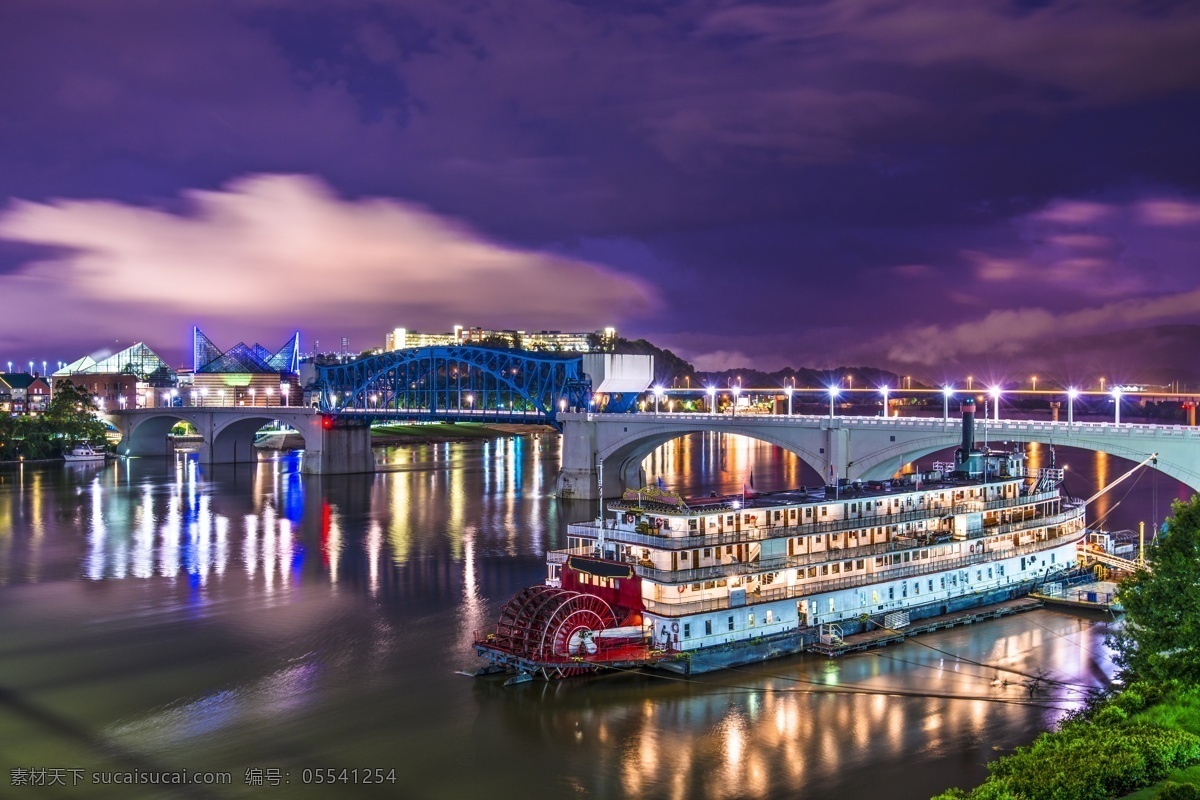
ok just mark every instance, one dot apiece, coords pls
pixel 928 189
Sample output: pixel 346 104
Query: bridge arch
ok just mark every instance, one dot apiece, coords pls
pixel 149 436
pixel 231 440
pixel 624 456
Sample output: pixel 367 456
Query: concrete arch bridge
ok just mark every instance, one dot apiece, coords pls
pixel 866 448
pixel 332 445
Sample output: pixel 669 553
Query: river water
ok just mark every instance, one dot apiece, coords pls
pixel 156 616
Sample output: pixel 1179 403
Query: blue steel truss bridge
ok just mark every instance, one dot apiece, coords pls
pixel 473 384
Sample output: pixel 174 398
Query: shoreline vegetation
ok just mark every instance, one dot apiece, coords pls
pixel 1140 739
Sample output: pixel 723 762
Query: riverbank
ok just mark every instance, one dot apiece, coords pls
pixel 1139 739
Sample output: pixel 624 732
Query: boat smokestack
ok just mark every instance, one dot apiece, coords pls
pixel 968 430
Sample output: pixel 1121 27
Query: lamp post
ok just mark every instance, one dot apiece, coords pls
pixel 1033 381
pixel 283 392
pixel 562 404
pixel 270 391
pixel 470 403
pixel 1116 394
pixel 1072 393
pixel 789 389
pixel 887 412
pixel 995 393
pixel 252 401
pixel 658 393
pixel 712 400
pixel 204 396
pixel 737 390
pixel 833 393
pixel 947 393
pixel 970 382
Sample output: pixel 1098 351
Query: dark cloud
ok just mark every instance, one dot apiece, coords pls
pixel 799 181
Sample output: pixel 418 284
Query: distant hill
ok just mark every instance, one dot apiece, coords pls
pixel 672 370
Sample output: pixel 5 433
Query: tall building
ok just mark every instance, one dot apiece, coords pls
pixel 559 341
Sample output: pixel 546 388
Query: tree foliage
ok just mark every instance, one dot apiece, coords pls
pixel 69 418
pixel 1160 640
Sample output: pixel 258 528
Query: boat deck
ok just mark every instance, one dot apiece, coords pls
pixel 882 637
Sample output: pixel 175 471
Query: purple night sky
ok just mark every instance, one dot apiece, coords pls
pixel 924 186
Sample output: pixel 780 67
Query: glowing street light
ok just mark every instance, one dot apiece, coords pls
pixel 1072 393
pixel 562 404
pixel 221 392
pixel 995 393
pixel 269 391
pixel 283 392
pixel 833 393
pixel 1116 393
pixel 712 399
pixel 658 393
pixel 886 410
pixel 737 391
pixel 1033 381
pixel 789 389
pixel 970 383
pixel 252 402
pixel 947 393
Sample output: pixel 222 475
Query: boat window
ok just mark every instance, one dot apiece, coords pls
pixel 770 616
pixel 731 622
pixel 849 565
pixel 708 627
pixel 812 573
pixel 687 629
pixel 859 564
pixel 750 619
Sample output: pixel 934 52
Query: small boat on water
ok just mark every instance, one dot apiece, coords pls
pixel 84 452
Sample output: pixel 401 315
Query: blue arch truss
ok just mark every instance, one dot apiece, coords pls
pixel 456 383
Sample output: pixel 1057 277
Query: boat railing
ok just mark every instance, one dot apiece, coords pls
pixel 817 586
pixel 755 534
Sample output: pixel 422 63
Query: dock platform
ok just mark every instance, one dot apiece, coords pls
pixel 881 637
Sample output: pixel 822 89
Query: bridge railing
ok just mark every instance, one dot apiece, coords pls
pixel 920 423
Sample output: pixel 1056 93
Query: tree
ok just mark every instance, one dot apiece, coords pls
pixel 72 415
pixel 1161 637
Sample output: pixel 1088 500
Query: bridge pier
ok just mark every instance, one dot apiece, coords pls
pixel 577 477
pixel 344 449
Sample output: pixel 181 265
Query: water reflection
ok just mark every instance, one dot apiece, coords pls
pixel 209 613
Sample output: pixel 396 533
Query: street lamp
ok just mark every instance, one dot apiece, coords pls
pixel 283 392
pixel 789 389
pixel 970 382
pixel 562 404
pixel 470 403
pixel 252 395
pixel 833 393
pixel 221 392
pixel 204 396
pixel 947 393
pixel 1116 393
pixel 886 411
pixel 1033 380
pixel 737 391
pixel 658 393
pixel 270 391
pixel 995 393
pixel 712 399
pixel 1072 393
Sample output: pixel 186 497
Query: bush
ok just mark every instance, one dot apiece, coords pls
pixel 1178 791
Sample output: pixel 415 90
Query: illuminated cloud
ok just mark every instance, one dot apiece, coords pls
pixel 279 252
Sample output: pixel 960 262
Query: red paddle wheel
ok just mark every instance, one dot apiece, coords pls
pixel 537 624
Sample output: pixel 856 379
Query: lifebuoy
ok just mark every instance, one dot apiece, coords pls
pixel 674 627
pixel 972 548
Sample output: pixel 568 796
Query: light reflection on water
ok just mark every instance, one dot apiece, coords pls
pixel 233 617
